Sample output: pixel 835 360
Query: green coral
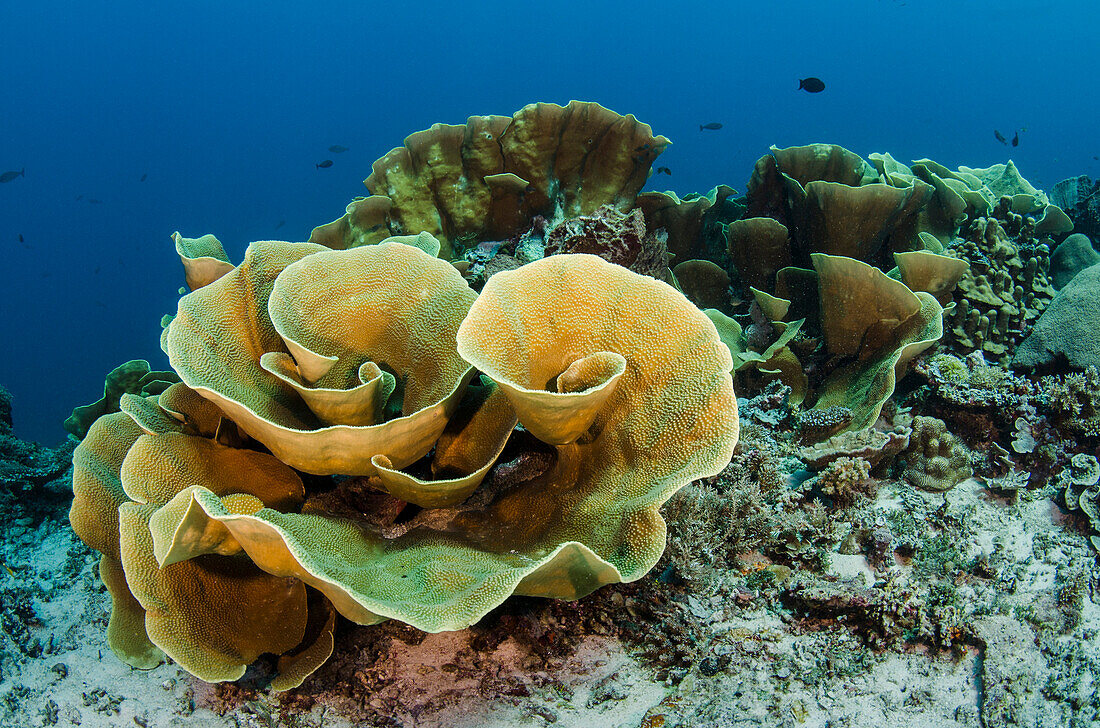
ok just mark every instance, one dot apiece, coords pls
pixel 1075 400
pixel 132 377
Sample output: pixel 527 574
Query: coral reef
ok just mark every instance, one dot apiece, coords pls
pixel 1066 331
pixel 1078 197
pixel 489 178
pixel 356 363
pixel 1006 288
pixel 380 461
pixel 936 460
pixel 1081 491
pixel 132 377
pixel 1073 255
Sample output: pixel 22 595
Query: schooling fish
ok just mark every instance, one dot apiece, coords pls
pixel 20 237
pixel 713 126
pixel 999 137
pixel 337 149
pixel 281 223
pixel 812 84
pixel 1016 139
pixel 9 176
pixel 144 177
pixel 664 170
pixel 324 165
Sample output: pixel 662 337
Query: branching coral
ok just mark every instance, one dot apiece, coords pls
pixel 846 481
pixel 1075 401
pixel 1005 289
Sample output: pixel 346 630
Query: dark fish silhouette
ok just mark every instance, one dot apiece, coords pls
pixel 9 176
pixel 20 237
pixel 999 137
pixel 664 170
pixel 94 201
pixel 79 198
pixel 1016 139
pixel 324 165
pixel 144 177
pixel 280 224
pixel 713 126
pixel 337 149
pixel 812 84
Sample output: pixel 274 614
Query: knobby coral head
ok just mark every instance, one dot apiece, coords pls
pixel 357 367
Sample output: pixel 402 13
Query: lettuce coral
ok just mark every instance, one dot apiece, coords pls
pixel 360 363
pixel 489 178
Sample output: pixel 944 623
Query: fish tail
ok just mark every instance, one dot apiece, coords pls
pixel 801 83
pixel 700 127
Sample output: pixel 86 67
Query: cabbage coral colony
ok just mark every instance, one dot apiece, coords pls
pixel 484 380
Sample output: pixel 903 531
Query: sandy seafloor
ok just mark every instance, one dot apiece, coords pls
pixel 752 659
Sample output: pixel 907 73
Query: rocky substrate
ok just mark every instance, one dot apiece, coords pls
pixel 737 642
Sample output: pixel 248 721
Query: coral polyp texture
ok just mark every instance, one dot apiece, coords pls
pixel 304 362
pixel 489 178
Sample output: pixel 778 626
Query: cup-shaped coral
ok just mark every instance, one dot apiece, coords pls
pixel 625 380
pixel 641 403
pixel 213 615
pixel 304 348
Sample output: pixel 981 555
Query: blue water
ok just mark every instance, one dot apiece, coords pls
pixel 228 108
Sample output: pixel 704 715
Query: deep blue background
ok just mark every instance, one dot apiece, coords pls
pixel 228 107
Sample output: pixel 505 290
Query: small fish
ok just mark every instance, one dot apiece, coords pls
pixel 144 177
pixel 641 148
pixel 812 85
pixel 9 176
pixel 79 198
pixel 1096 157
pixel 337 149
pixel 20 237
pixel 664 170
pixel 94 201
pixel 96 271
pixel 999 137
pixel 280 224
pixel 712 126
pixel 324 165
pixel 1016 139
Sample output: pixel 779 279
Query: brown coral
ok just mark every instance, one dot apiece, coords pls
pixel 936 459
pixel 487 179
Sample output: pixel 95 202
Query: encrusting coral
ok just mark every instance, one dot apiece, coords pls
pixel 357 363
pixel 1080 481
